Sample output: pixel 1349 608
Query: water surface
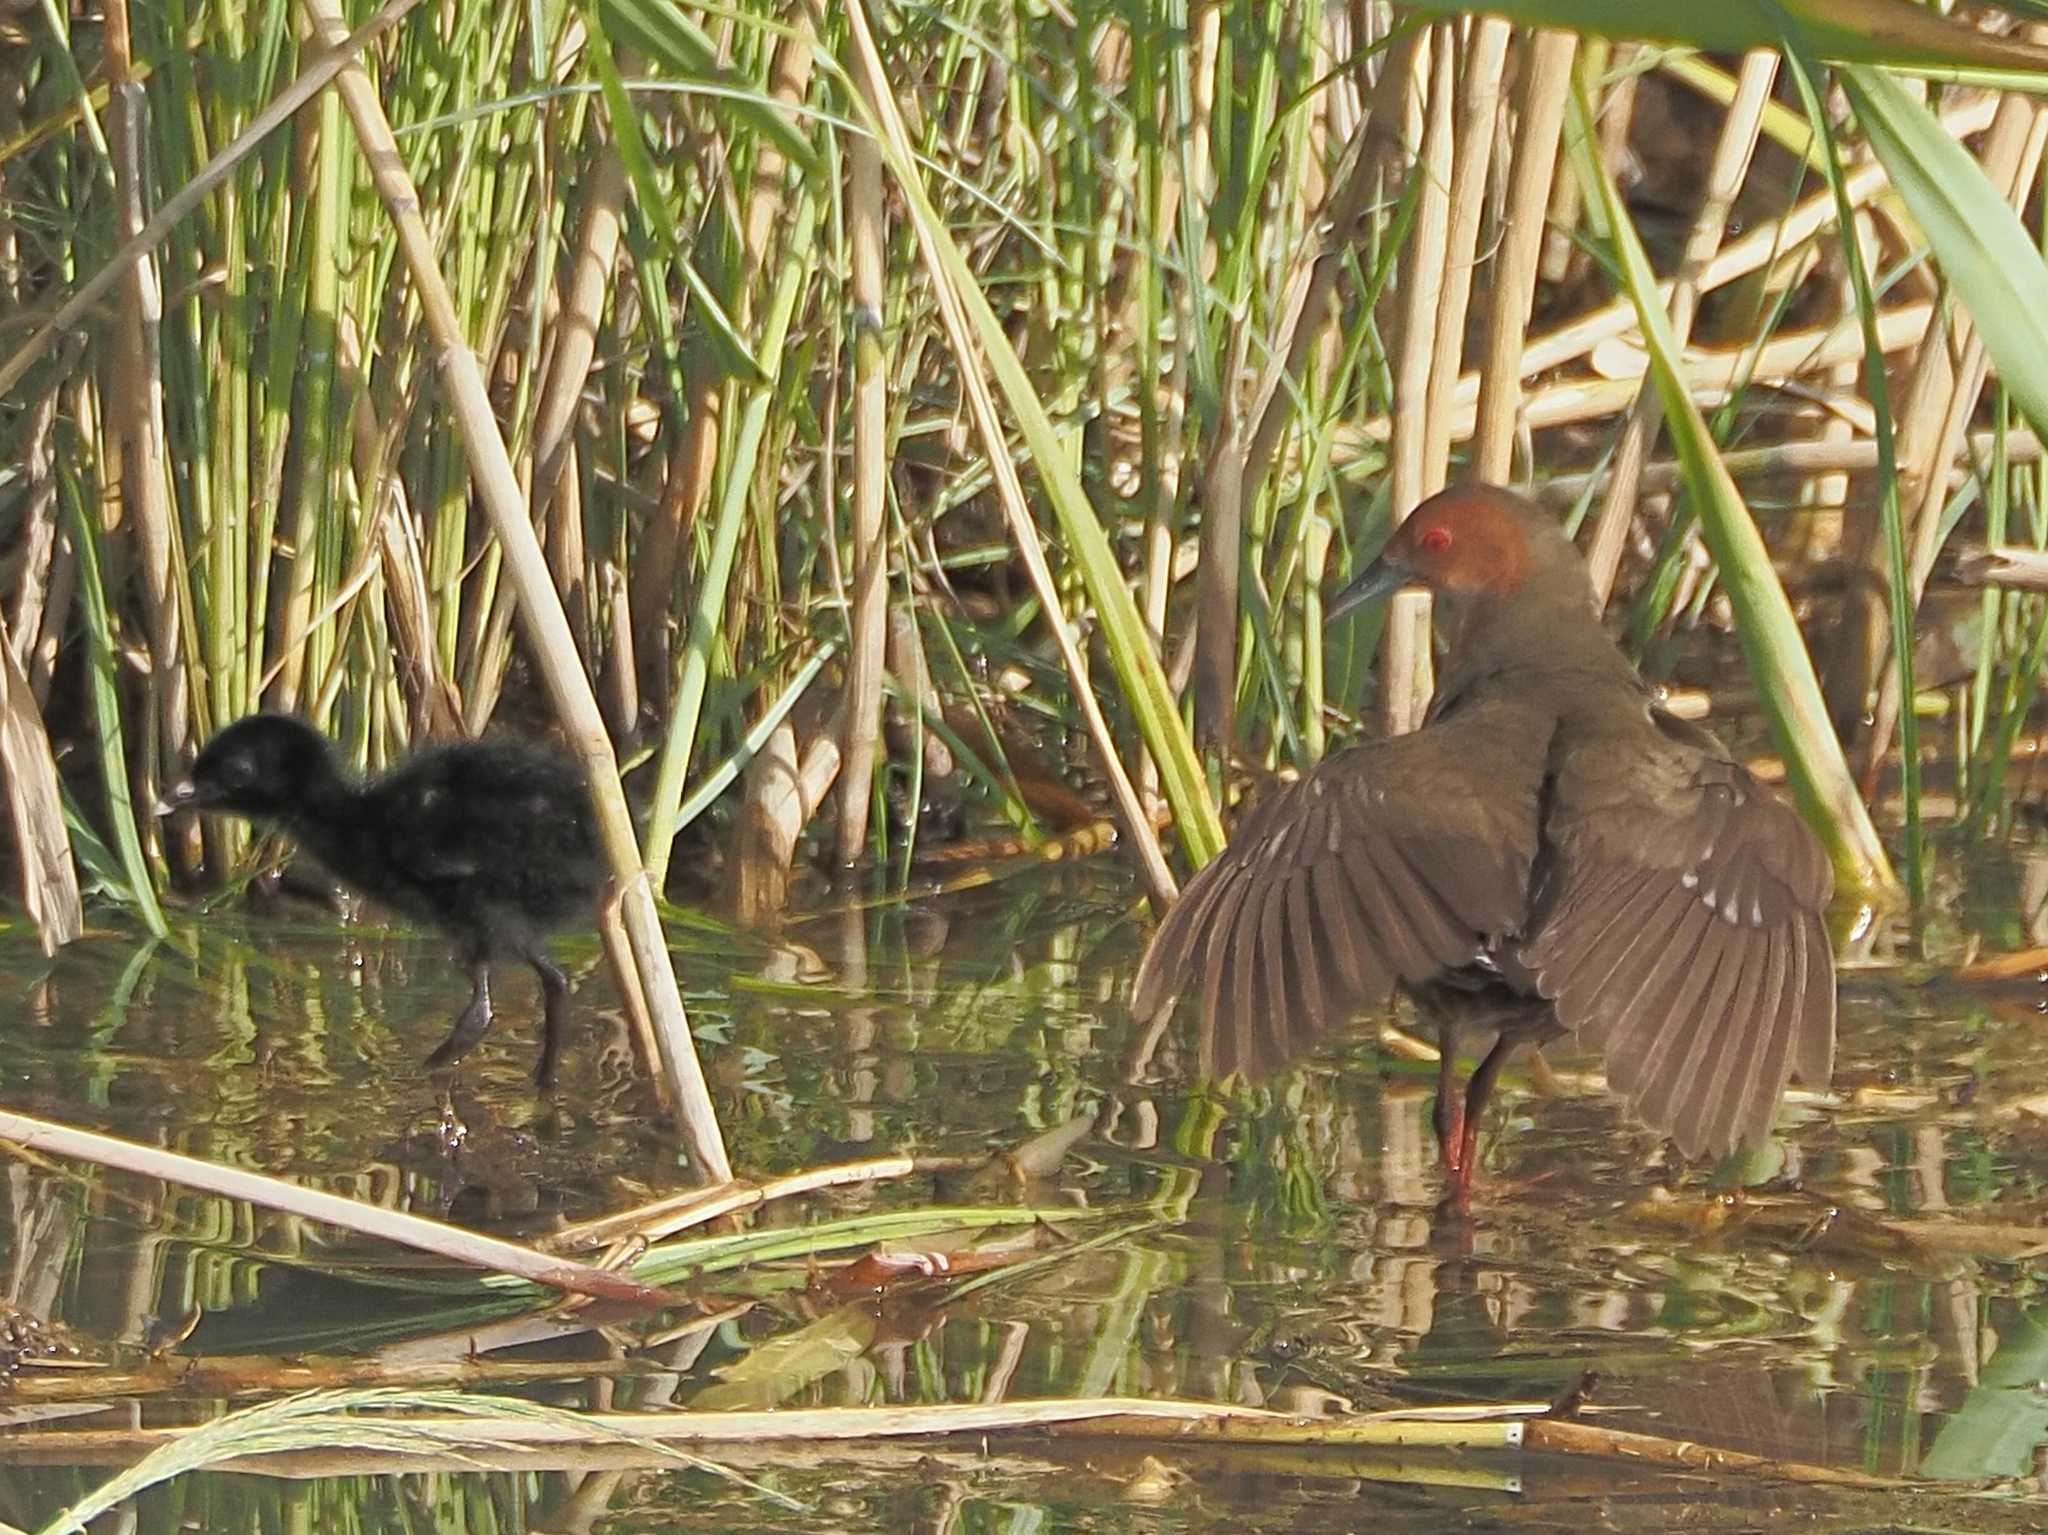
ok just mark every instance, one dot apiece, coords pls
pixel 1872 1307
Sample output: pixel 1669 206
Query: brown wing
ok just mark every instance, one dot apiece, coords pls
pixel 1395 861
pixel 1679 931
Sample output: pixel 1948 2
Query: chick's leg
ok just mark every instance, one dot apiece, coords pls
pixel 475 1019
pixel 554 987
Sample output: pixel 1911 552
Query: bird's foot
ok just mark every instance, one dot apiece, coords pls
pixel 550 1058
pixel 1450 1129
pixel 474 1023
pixel 1468 1155
pixel 1457 1200
pixel 1457 1137
pixel 554 987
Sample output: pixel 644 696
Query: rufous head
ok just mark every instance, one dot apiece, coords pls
pixel 1474 542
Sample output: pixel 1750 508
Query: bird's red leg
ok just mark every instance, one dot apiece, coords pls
pixel 1477 1091
pixel 1450 1105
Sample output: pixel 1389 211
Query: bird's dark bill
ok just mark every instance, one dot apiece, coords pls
pixel 182 795
pixel 1382 578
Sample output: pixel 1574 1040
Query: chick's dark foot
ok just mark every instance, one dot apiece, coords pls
pixel 474 1023
pixel 554 988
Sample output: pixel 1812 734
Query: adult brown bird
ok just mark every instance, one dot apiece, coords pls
pixel 1551 851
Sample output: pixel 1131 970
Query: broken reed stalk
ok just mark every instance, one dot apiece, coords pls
pixel 540 607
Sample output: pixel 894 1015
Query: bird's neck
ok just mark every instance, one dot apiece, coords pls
pixel 325 814
pixel 1543 639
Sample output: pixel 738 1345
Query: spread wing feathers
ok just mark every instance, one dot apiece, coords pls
pixel 1390 862
pixel 1680 933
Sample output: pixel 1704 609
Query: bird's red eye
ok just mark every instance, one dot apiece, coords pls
pixel 1435 540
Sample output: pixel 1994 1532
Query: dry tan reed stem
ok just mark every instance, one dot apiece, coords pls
pixel 138 422
pixel 618 684
pixel 554 647
pixel 1218 610
pixel 663 1218
pixel 1765 243
pixel 239 1375
pixel 1567 1436
pixel 1730 165
pixel 1614 117
pixel 1201 122
pixel 577 322
pixel 1823 456
pixel 36 533
pixel 463 1443
pixel 436 706
pixel 1422 271
pixel 49 881
pixel 1304 304
pixel 1712 373
pixel 1485 58
pixel 1567 197
pixel 1941 398
pixel 557 501
pixel 45 643
pixel 693 465
pixel 867 621
pixel 475 1442
pixel 768 831
pixel 1819 536
pixel 52 1138
pixel 782 793
pixel 1541 93
pixel 789 80
pixel 1136 825
pixel 1405 655
pixel 2015 566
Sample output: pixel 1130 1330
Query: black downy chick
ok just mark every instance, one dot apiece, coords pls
pixel 494 842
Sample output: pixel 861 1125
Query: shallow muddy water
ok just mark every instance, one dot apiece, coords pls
pixel 1875 1305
